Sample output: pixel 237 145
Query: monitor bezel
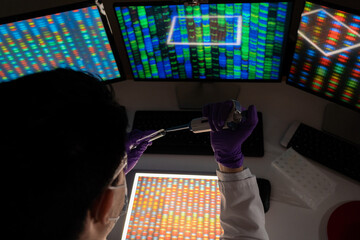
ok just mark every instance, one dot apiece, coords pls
pixel 321 95
pixel 114 23
pixel 70 7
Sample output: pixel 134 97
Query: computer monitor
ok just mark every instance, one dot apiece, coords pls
pixel 326 61
pixel 207 41
pixel 72 36
pixel 168 206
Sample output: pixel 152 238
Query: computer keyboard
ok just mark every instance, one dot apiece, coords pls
pixel 328 150
pixel 187 142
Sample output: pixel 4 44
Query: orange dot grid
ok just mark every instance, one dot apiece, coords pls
pixel 167 208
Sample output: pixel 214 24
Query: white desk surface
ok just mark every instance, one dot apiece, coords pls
pixel 281 105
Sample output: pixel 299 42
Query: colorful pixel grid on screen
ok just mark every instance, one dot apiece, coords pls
pixel 211 41
pixel 74 39
pixel 173 206
pixel 327 54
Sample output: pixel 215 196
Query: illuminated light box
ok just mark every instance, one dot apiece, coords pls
pixel 75 39
pixel 173 206
pixel 326 61
pixel 215 41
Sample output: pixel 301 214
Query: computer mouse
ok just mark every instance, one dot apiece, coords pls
pixel 265 191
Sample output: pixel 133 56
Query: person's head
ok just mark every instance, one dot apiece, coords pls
pixel 62 145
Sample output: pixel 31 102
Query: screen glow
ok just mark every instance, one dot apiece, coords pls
pixel 234 41
pixel 327 55
pixel 75 39
pixel 171 206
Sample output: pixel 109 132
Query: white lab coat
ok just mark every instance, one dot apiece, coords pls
pixel 242 214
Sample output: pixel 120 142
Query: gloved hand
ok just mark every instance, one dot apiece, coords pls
pixel 226 143
pixel 134 149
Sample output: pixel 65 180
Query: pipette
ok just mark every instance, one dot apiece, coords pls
pixel 200 125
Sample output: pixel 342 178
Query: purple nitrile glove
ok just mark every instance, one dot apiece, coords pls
pixel 134 149
pixel 226 143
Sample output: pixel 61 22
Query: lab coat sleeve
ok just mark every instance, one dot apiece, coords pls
pixel 242 214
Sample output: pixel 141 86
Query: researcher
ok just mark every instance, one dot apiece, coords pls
pixel 65 152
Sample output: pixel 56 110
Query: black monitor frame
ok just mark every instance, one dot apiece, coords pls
pixel 70 7
pixel 111 14
pixel 298 22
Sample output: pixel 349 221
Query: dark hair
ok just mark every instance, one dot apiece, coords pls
pixel 62 138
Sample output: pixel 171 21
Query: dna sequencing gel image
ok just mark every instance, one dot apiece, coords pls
pixel 210 41
pixel 168 206
pixel 75 39
pixel 327 54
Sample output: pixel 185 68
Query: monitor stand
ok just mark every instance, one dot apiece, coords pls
pixel 342 122
pixel 196 95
